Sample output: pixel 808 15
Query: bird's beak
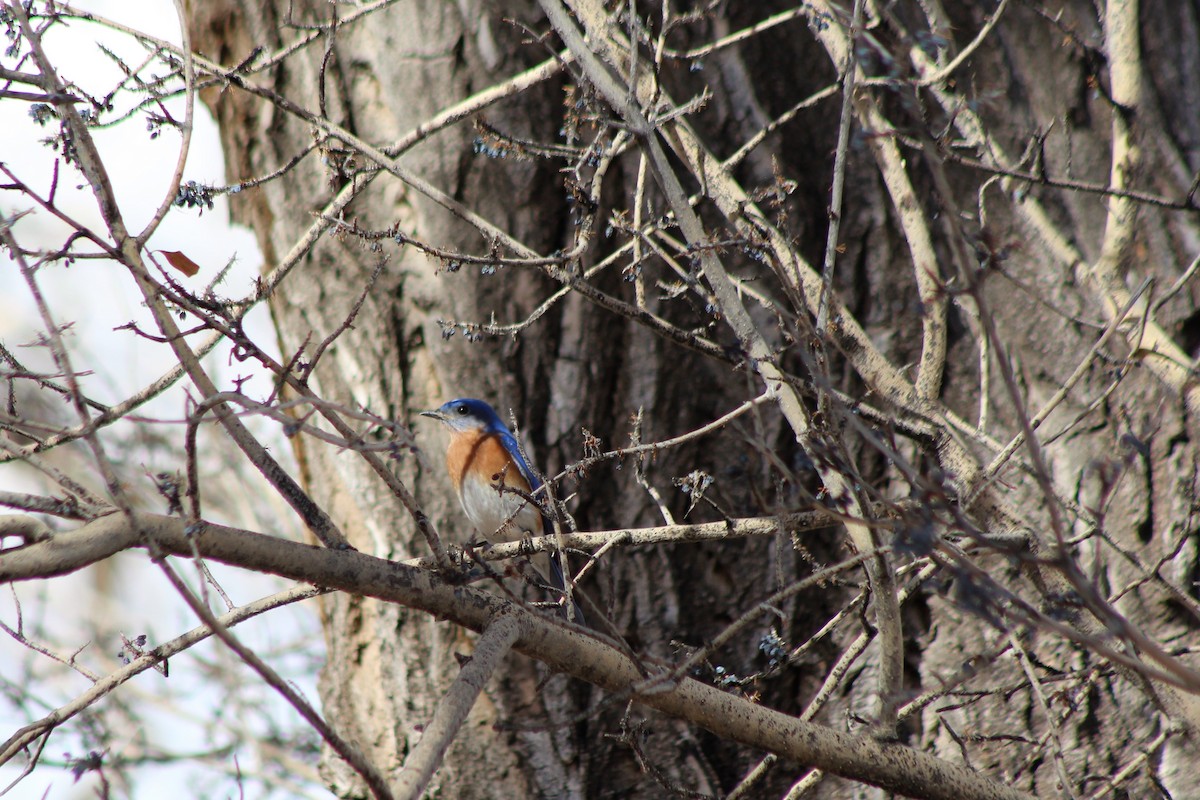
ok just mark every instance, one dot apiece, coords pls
pixel 438 415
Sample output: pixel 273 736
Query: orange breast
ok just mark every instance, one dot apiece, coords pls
pixel 473 460
pixel 484 456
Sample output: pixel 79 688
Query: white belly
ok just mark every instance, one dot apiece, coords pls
pixel 489 510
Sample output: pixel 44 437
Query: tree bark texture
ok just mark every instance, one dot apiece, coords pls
pixel 1040 86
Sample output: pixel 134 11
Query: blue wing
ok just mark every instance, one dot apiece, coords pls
pixel 557 579
pixel 510 444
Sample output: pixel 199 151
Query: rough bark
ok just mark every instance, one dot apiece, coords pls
pixel 580 366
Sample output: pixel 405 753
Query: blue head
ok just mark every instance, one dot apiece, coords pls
pixel 467 414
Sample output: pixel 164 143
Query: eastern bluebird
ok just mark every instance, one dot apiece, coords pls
pixel 483 453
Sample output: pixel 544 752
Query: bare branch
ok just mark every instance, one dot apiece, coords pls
pixel 891 766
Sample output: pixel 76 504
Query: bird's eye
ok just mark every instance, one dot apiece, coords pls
pixel 462 410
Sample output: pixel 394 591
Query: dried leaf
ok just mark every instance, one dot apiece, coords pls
pixel 181 262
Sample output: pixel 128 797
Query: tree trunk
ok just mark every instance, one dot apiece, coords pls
pixel 1129 465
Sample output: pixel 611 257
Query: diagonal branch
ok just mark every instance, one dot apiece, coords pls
pixel 147 660
pixel 589 657
pixel 494 643
pixel 887 611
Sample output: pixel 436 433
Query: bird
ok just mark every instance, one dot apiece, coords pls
pixel 481 454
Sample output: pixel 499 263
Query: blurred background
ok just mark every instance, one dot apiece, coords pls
pixel 146 724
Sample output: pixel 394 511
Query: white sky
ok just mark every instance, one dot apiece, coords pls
pixel 97 297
